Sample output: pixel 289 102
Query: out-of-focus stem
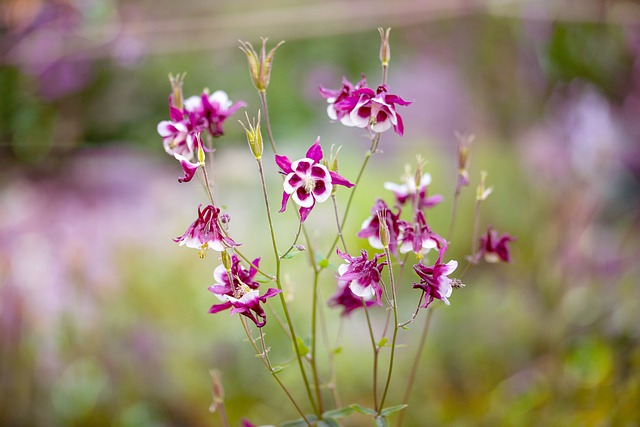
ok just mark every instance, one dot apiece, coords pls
pixel 376 350
pixel 395 332
pixel 265 107
pixel 414 367
pixel 335 212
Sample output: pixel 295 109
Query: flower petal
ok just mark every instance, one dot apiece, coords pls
pixel 315 151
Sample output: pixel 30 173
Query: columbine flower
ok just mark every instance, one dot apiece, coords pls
pixel 308 181
pixel 434 281
pixel 240 275
pixel 178 134
pixel 246 301
pixel 347 299
pixel 494 248
pixel 418 237
pixel 371 226
pixel 212 110
pixel 362 275
pixel 375 109
pixel 408 191
pixel 205 232
pixel 336 96
pixel 259 65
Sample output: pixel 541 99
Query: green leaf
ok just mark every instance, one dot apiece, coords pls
pixel 302 348
pixel 381 421
pixel 363 410
pixel 327 422
pixel 324 263
pixel 277 369
pixel 392 409
pixel 299 423
pixel 337 350
pixel 339 413
pixel 383 341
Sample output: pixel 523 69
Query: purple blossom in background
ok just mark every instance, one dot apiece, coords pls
pixel 212 110
pixel 362 275
pixel 371 226
pixel 336 96
pixel 376 110
pixel 307 181
pixel 407 191
pixel 205 233
pixel 434 281
pixel 494 248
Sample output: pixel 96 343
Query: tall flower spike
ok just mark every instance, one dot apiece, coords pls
pixel 307 181
pixel 259 65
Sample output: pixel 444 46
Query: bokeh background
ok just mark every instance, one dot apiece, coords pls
pixel 103 320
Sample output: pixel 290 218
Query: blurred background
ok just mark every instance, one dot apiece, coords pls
pixel 103 319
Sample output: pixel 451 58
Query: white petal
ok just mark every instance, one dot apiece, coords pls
pixel 219 274
pixel 346 120
pixel 425 180
pixel 193 103
pixel 362 291
pixel 306 203
pixel 331 112
pixel 375 242
pixel 382 126
pixel 342 268
pixel 221 98
pixel 288 188
pixel 451 266
pixel 399 189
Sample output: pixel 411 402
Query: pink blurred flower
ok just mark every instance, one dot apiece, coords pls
pixel 205 233
pixel 494 248
pixel 362 275
pixel 434 281
pixel 371 226
pixel 407 191
pixel 336 96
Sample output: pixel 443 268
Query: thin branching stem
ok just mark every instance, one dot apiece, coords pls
pixel 335 212
pixel 414 366
pixel 376 350
pixel 395 332
pixel 265 108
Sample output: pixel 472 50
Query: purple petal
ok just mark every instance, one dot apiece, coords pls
pixel 315 151
pixel 339 180
pixel 284 163
pixel 304 213
pixel 220 307
pixel 285 199
pixel 188 168
pixel 399 127
pixel 271 292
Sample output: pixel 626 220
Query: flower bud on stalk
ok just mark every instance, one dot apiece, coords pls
pixel 464 141
pixel 385 50
pixel 216 390
pixel 259 65
pixel 254 136
pixel 385 237
pixel 176 89
pixel 483 192
pixel 226 260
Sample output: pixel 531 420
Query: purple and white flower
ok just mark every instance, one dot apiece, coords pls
pixel 419 238
pixel 407 191
pixel 434 281
pixel 212 110
pixel 362 275
pixel 345 298
pixel 494 248
pixel 246 301
pixel 240 275
pixel 376 110
pixel 307 181
pixel 371 226
pixel 205 232
pixel 336 96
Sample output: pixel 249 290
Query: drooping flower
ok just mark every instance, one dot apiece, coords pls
pixel 494 248
pixel 371 226
pixel 178 134
pixel 240 275
pixel 205 232
pixel 212 110
pixel 246 301
pixel 362 275
pixel 407 191
pixel 345 298
pixel 376 110
pixel 434 281
pixel 308 181
pixel 336 96
pixel 419 238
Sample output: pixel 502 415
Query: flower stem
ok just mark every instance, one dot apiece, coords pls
pixel 414 367
pixel 374 147
pixel 454 212
pixel 263 100
pixel 295 240
pixel 376 350
pixel 335 212
pixel 314 340
pixel 267 363
pixel 395 331
pixel 279 285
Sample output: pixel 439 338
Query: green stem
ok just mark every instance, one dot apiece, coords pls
pixel 279 285
pixel 374 146
pixel 295 240
pixel 267 363
pixel 265 107
pixel 376 351
pixel 414 367
pixel 335 212
pixel 314 340
pixel 395 331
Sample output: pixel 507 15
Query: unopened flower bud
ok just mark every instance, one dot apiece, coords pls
pixel 226 260
pixel 259 65
pixel 385 50
pixel 482 191
pixel 216 390
pixel 385 237
pixel 254 136
pixel 176 89
pixel 464 141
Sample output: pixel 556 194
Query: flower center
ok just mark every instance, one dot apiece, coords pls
pixel 309 184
